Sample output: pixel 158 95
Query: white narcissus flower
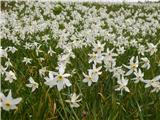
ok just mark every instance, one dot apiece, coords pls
pixel 95 70
pixel 74 99
pixel 3 53
pixel 58 78
pixel 27 46
pixel 42 71
pixel 61 78
pixel 98 47
pixel 26 60
pixel 10 76
pixel 156 86
pixel 151 48
pixel 12 49
pixel 38 50
pixel 95 57
pixel 122 85
pixel 141 49
pixel 133 66
pixel 91 77
pixel 120 50
pixel 154 83
pixel 118 72
pixel 32 84
pixel 109 61
pixel 139 76
pixel 110 54
pixel 133 43
pixel 8 63
pixel 146 63
pixel 8 103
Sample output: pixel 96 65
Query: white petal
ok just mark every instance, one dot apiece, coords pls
pixel 29 85
pixel 67 82
pixel 61 69
pixel 16 101
pixel 95 78
pixel 129 72
pixel 60 85
pixel 66 75
pixel 9 96
pixel 126 89
pixel 89 83
pixel 75 105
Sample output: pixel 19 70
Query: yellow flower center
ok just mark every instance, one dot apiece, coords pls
pixel 60 77
pixel 99 48
pixel 133 66
pixel 89 78
pixel 94 56
pixel 8 104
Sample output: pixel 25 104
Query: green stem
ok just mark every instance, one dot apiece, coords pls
pixel 61 101
pixel 74 113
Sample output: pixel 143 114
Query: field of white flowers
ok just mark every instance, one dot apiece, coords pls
pixel 80 61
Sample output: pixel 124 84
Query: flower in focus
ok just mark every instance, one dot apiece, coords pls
pixel 8 103
pixel 74 99
pixel 61 78
pixel 32 84
pixel 58 78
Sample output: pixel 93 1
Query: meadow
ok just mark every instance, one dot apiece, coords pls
pixel 80 61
